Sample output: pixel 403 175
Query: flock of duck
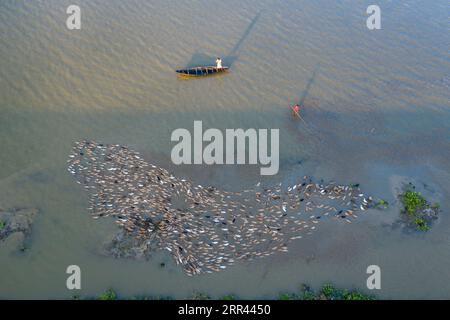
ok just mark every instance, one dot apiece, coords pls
pixel 205 229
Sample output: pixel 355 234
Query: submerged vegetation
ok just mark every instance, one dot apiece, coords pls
pixel 201 296
pixel 330 292
pixel 287 296
pixel 417 211
pixel 2 225
pixel 108 295
pixel 327 292
pixel 381 204
pixel 413 201
pixel 421 224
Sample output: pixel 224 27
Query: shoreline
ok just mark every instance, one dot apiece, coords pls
pixel 326 292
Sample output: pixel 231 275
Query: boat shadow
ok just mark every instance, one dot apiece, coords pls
pixel 202 59
pixel 233 55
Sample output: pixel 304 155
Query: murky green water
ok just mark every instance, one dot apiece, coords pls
pixel 376 112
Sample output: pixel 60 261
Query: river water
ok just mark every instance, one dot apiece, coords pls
pixel 376 113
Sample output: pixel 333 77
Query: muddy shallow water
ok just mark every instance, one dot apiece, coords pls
pixel 376 113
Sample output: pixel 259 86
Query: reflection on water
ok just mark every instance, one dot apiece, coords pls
pixel 376 106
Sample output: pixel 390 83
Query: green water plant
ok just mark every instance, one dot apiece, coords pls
pixel 286 296
pixel 421 224
pixel 355 295
pixel 418 210
pixel 308 295
pixel 145 297
pixel 329 292
pixel 382 204
pixel 436 205
pixel 413 201
pixel 200 296
pixel 2 225
pixel 108 295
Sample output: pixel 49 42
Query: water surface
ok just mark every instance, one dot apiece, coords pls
pixel 376 112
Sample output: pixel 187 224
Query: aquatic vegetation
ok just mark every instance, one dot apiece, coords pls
pixel 417 210
pixel 144 297
pixel 355 295
pixel 200 296
pixel 287 296
pixel 332 293
pixel 326 292
pixel 2 225
pixel 421 224
pixel 381 204
pixel 308 295
pixel 108 295
pixel 413 201
pixel 205 229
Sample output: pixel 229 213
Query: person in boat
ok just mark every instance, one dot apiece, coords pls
pixel 219 63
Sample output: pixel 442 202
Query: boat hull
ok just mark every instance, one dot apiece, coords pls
pixel 201 71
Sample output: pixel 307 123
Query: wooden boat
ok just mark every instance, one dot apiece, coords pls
pixel 201 71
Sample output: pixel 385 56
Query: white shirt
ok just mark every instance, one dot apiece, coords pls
pixel 219 63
